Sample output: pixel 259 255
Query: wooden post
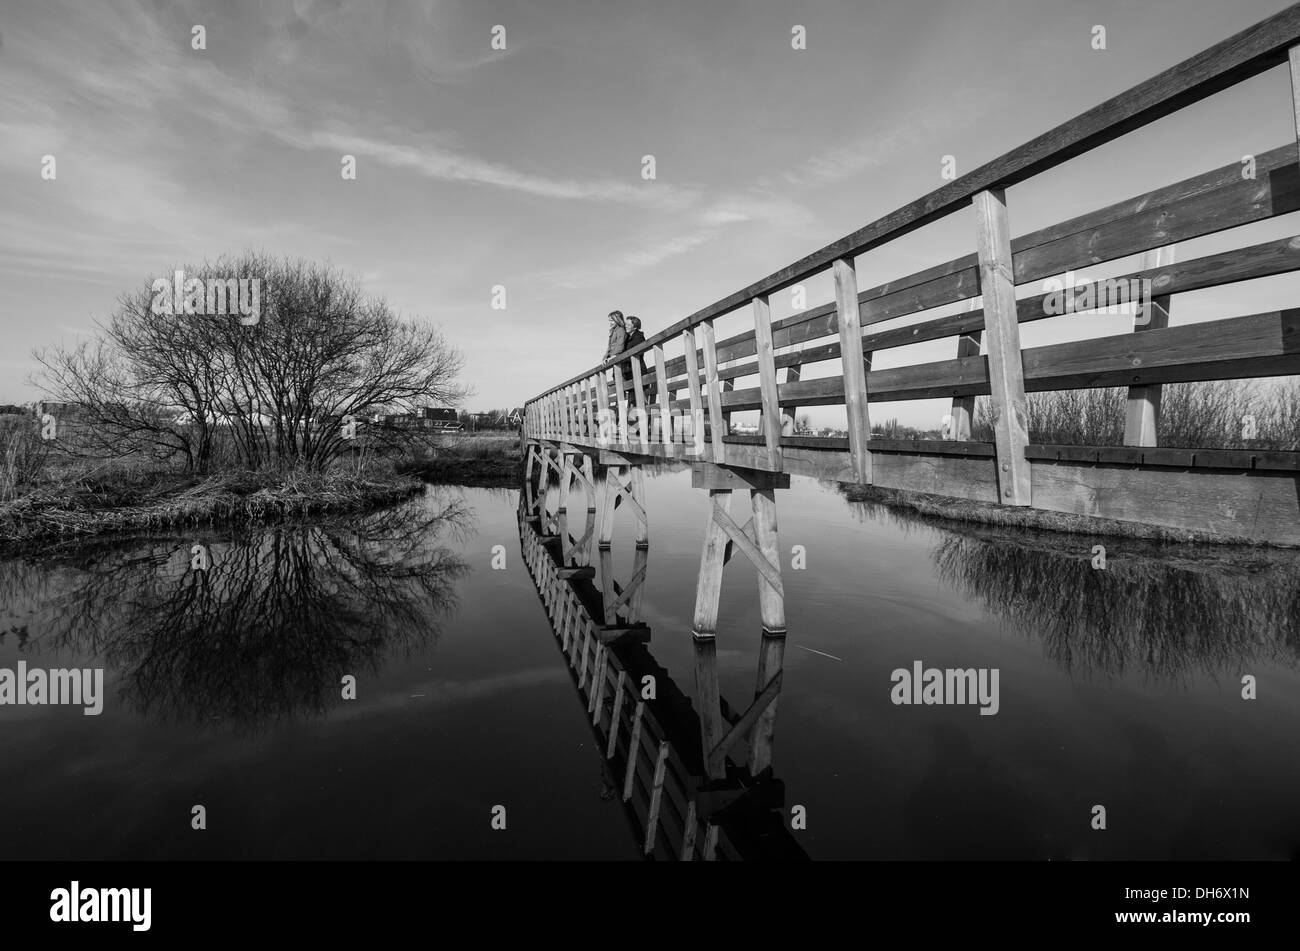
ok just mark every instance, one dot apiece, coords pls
pixel 789 422
pixel 963 407
pixel 588 470
pixel 643 423
pixel 708 591
pixel 713 386
pixel 640 563
pixel 665 431
pixel 596 693
pixel 608 592
pixel 588 396
pixel 771 418
pixel 1002 330
pixel 606 427
pixel 772 614
pixel 633 750
pixel 688 835
pixel 640 511
pixel 656 798
pixel 566 415
pixel 608 503
pixel 585 643
pixel 620 404
pixel 1294 57
pixel 710 842
pixel 1142 412
pixel 566 476
pixel 693 388
pixel 618 709
pixel 855 369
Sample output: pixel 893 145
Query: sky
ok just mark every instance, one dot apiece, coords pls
pixel 522 167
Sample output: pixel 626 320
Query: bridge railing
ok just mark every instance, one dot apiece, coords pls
pixel 693 377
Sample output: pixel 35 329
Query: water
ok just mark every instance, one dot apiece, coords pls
pixel 1119 687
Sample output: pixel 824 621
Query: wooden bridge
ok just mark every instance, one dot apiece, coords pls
pixel 596 430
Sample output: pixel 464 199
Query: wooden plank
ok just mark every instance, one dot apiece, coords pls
pixel 748 720
pixel 1212 202
pixel 706 475
pixel 713 387
pixel 1258 345
pixel 770 573
pixel 1203 204
pixel 1258 506
pixel 1239 57
pixel 1002 330
pixel 855 369
pixel 771 412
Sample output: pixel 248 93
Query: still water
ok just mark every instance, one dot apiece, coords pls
pixel 223 688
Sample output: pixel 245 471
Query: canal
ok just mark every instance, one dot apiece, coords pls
pixel 1119 686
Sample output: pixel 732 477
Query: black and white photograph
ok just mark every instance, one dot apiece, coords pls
pixel 447 445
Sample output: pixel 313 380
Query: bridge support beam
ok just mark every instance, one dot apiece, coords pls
pixel 758 541
pixel 624 483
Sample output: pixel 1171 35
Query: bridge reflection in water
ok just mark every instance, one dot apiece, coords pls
pixel 651 739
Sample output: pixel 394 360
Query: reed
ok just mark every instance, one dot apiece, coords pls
pixel 1205 415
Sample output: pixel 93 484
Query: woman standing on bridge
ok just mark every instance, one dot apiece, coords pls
pixel 617 335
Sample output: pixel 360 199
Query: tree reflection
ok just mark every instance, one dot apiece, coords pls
pixel 266 632
pixel 1167 610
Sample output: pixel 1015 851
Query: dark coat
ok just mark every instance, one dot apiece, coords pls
pixel 634 339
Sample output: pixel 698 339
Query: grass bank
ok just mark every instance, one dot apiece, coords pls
pixel 489 460
pixel 943 508
pixel 118 498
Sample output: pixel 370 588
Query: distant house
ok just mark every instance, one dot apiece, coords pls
pixel 8 409
pixel 437 419
pixel 63 411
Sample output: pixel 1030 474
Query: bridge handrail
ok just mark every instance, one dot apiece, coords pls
pixel 1235 59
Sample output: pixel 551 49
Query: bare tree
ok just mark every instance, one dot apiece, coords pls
pixel 289 383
